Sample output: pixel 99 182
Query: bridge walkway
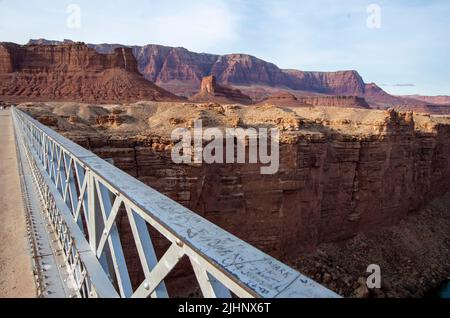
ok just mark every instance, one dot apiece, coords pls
pixel 16 273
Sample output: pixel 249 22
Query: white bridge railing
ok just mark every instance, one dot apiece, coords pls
pixel 83 196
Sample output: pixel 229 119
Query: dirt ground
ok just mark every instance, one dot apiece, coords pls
pixel 16 275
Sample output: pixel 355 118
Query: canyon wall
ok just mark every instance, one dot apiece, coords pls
pixel 73 72
pixel 69 58
pixel 326 190
pixel 335 101
pixel 342 171
pixel 285 99
pixel 181 71
pixel 334 83
pixel 436 100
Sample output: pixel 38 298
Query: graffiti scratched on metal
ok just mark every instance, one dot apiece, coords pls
pixel 230 263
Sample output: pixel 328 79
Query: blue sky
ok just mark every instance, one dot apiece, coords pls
pixel 409 54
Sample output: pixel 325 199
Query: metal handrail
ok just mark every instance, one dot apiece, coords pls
pixel 83 195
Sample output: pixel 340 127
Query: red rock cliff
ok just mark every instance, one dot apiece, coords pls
pixel 181 71
pixel 342 171
pixel 290 100
pixel 335 101
pixel 73 72
pixel 335 83
pixel 210 91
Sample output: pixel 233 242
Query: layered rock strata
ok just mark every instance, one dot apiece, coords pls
pixel 342 171
pixel 73 72
pixel 284 99
pixel 344 174
pixel 181 71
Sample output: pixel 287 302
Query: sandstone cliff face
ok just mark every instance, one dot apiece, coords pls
pixel 242 69
pixel 245 70
pixel 175 69
pixel 336 101
pixel 180 64
pixel 342 171
pixel 181 71
pixel 73 71
pixel 290 100
pixel 283 99
pixel 6 60
pixel 68 57
pixel 436 100
pixel 335 83
pixel 427 108
pixel 380 99
pixel 210 91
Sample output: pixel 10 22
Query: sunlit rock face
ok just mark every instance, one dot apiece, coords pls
pixel 73 72
pixel 210 91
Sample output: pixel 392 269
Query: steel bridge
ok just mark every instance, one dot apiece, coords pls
pixel 73 199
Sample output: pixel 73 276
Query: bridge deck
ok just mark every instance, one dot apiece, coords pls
pixel 16 275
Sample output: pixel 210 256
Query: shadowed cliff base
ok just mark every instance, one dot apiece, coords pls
pixel 413 256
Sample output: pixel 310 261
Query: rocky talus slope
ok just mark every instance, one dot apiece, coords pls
pixel 413 257
pixel 73 72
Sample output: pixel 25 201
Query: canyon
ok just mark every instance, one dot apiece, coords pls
pixel 344 172
pixel 358 166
